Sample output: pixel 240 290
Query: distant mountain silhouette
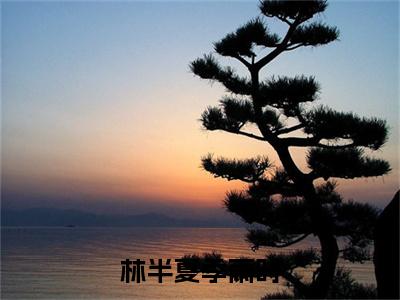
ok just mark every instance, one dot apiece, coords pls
pixel 72 218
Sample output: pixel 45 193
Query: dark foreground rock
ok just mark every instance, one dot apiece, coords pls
pixel 386 255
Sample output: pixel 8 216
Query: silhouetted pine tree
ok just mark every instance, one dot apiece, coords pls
pixel 276 107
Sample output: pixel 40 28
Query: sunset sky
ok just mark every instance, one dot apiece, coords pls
pixel 100 111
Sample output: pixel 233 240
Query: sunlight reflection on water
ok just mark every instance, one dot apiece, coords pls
pixel 71 263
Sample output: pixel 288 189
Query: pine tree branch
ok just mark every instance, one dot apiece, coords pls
pixel 287 92
pixel 253 136
pixel 289 9
pixel 280 48
pixel 288 129
pixel 328 124
pixel 300 142
pixel 295 46
pixel 285 20
pixel 250 135
pixel 314 34
pixel 247 170
pixel 242 60
pixel 345 163
pixel 209 68
pixel 241 41
pixel 294 241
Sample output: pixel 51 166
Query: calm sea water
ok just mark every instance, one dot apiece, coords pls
pixel 85 263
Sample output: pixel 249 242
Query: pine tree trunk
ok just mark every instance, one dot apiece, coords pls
pixel 323 226
pixel 330 253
